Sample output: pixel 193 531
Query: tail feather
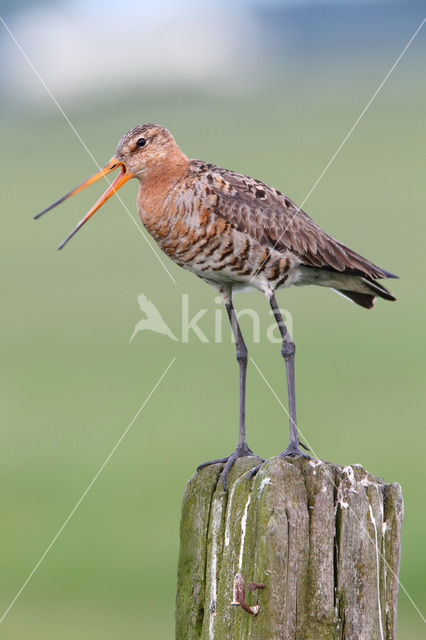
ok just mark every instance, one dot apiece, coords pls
pixel 377 288
pixel 363 299
pixel 365 291
pixel 361 289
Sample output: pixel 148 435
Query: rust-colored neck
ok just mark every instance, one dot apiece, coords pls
pixel 163 171
pixel 156 184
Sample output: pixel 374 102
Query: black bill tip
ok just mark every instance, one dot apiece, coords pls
pixel 51 206
pixel 70 235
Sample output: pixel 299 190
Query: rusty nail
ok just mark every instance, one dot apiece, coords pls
pixel 255 585
pixel 239 595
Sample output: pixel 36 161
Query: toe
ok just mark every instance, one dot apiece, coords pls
pixel 216 461
pixel 227 468
pixel 253 471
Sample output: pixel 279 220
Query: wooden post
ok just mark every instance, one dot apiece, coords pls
pixel 324 539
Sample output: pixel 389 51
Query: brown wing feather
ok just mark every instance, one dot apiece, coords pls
pixel 254 207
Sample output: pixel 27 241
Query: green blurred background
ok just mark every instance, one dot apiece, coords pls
pixel 72 382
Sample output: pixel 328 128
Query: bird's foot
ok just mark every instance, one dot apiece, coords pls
pixel 240 452
pixel 294 452
pixel 294 449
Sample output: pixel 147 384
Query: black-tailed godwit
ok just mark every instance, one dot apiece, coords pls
pixel 233 231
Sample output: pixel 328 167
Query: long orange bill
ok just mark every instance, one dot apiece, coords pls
pixel 123 177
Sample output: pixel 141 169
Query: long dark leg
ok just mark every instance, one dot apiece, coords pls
pixel 241 349
pixel 241 352
pixel 288 350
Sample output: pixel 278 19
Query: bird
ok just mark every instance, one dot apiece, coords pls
pixel 153 321
pixel 233 232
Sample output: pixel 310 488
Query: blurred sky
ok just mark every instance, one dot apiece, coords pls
pixel 81 48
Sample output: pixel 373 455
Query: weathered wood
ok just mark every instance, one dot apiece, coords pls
pixel 324 539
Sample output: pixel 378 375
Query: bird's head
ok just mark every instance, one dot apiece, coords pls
pixel 144 150
pixel 147 148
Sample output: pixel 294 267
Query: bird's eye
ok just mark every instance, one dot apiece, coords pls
pixel 141 142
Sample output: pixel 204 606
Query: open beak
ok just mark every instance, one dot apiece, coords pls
pixel 122 177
